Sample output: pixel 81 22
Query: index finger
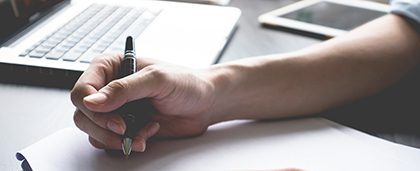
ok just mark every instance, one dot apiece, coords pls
pixel 103 69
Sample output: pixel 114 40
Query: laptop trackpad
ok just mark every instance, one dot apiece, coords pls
pixel 184 38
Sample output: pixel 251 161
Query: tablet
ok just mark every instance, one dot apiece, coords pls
pixel 323 18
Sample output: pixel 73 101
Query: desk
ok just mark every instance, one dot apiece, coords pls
pixel 30 113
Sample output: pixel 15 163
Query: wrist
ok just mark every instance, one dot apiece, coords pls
pixel 231 82
pixel 220 77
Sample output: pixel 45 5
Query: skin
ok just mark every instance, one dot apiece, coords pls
pixel 335 72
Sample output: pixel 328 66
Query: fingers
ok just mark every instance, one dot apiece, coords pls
pixel 111 121
pixel 97 90
pixel 94 121
pixel 102 69
pixel 149 82
pixel 104 139
pixel 139 143
pixel 96 143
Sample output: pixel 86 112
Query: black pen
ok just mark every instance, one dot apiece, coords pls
pixel 135 113
pixel 128 67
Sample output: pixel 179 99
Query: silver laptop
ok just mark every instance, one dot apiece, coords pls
pixel 61 37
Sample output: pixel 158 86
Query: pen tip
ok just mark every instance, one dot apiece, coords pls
pixel 126 146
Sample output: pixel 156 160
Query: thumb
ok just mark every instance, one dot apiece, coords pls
pixel 118 92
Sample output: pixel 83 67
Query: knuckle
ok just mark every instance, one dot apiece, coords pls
pixel 74 97
pixel 149 68
pixel 98 119
pixel 118 85
pixel 107 141
pixel 104 57
pixel 78 119
pixel 142 134
pixel 95 143
pixel 98 58
pixel 157 74
pixel 76 93
pixel 103 66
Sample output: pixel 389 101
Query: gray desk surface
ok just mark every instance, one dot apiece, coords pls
pixel 30 113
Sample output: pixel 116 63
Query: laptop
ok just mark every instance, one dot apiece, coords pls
pixel 51 42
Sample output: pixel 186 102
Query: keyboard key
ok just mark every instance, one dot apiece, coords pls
pixel 72 56
pixel 26 52
pixel 97 50
pixel 115 49
pixel 35 54
pixel 54 55
pixel 69 29
pixel 59 50
pixel 56 38
pixel 99 33
pixel 74 39
pixel 90 38
pixel 63 48
pixel 69 43
pixel 87 42
pixel 81 48
pixel 51 43
pixel 108 39
pixel 42 50
pixel 88 56
pixel 47 46
pixel 79 34
pixel 63 33
pixel 105 42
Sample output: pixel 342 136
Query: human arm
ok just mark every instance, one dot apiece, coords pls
pixel 360 63
pixel 304 82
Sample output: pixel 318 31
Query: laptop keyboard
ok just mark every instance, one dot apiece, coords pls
pixel 92 32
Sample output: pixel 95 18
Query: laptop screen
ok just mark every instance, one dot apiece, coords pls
pixel 15 14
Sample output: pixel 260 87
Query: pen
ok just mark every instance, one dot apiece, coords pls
pixel 133 113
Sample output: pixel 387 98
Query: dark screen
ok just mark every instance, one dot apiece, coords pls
pixel 334 15
pixel 15 14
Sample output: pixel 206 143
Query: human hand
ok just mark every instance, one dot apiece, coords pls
pixel 181 97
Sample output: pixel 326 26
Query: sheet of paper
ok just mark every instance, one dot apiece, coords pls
pixel 397 151
pixel 309 144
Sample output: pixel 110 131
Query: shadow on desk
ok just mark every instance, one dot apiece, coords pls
pixel 392 114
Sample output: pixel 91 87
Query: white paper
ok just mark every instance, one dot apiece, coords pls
pixel 309 144
pixel 398 151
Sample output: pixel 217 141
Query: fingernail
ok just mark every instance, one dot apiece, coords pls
pixel 114 126
pixel 144 146
pixel 97 98
pixel 153 129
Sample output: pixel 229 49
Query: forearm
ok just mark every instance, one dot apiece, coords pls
pixel 311 80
